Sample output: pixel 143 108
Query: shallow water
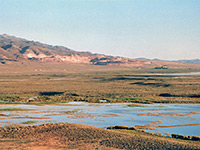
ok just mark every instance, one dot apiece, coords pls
pixel 189 73
pixel 104 115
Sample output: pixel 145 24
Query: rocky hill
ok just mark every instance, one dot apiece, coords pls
pixel 18 49
pixel 13 49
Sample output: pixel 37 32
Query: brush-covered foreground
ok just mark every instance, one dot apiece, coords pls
pixel 75 136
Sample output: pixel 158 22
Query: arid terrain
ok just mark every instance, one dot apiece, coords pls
pixel 73 136
pixel 91 83
pixel 36 74
pixel 14 49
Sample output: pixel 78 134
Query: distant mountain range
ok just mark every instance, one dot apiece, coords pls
pixel 13 49
pixel 189 61
pixel 184 60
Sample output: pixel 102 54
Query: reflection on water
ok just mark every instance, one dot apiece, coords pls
pixel 104 115
pixel 189 73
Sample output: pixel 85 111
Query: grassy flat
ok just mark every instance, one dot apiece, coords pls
pixel 29 122
pixel 14 109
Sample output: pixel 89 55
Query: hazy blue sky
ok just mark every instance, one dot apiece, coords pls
pixel 165 29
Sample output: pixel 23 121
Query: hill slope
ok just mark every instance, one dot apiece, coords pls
pixel 74 136
pixel 17 49
pixel 13 49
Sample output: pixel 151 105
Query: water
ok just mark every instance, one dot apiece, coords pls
pixel 104 115
pixel 189 73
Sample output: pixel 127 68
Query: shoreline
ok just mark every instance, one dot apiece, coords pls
pixel 177 101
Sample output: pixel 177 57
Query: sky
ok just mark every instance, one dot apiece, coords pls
pixel 163 29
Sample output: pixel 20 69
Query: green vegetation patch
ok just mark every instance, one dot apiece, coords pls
pixel 136 105
pixel 14 95
pixel 14 109
pixel 11 103
pixel 151 84
pixel 179 95
pixel 29 122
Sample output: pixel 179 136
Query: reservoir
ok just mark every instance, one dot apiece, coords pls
pixel 161 118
